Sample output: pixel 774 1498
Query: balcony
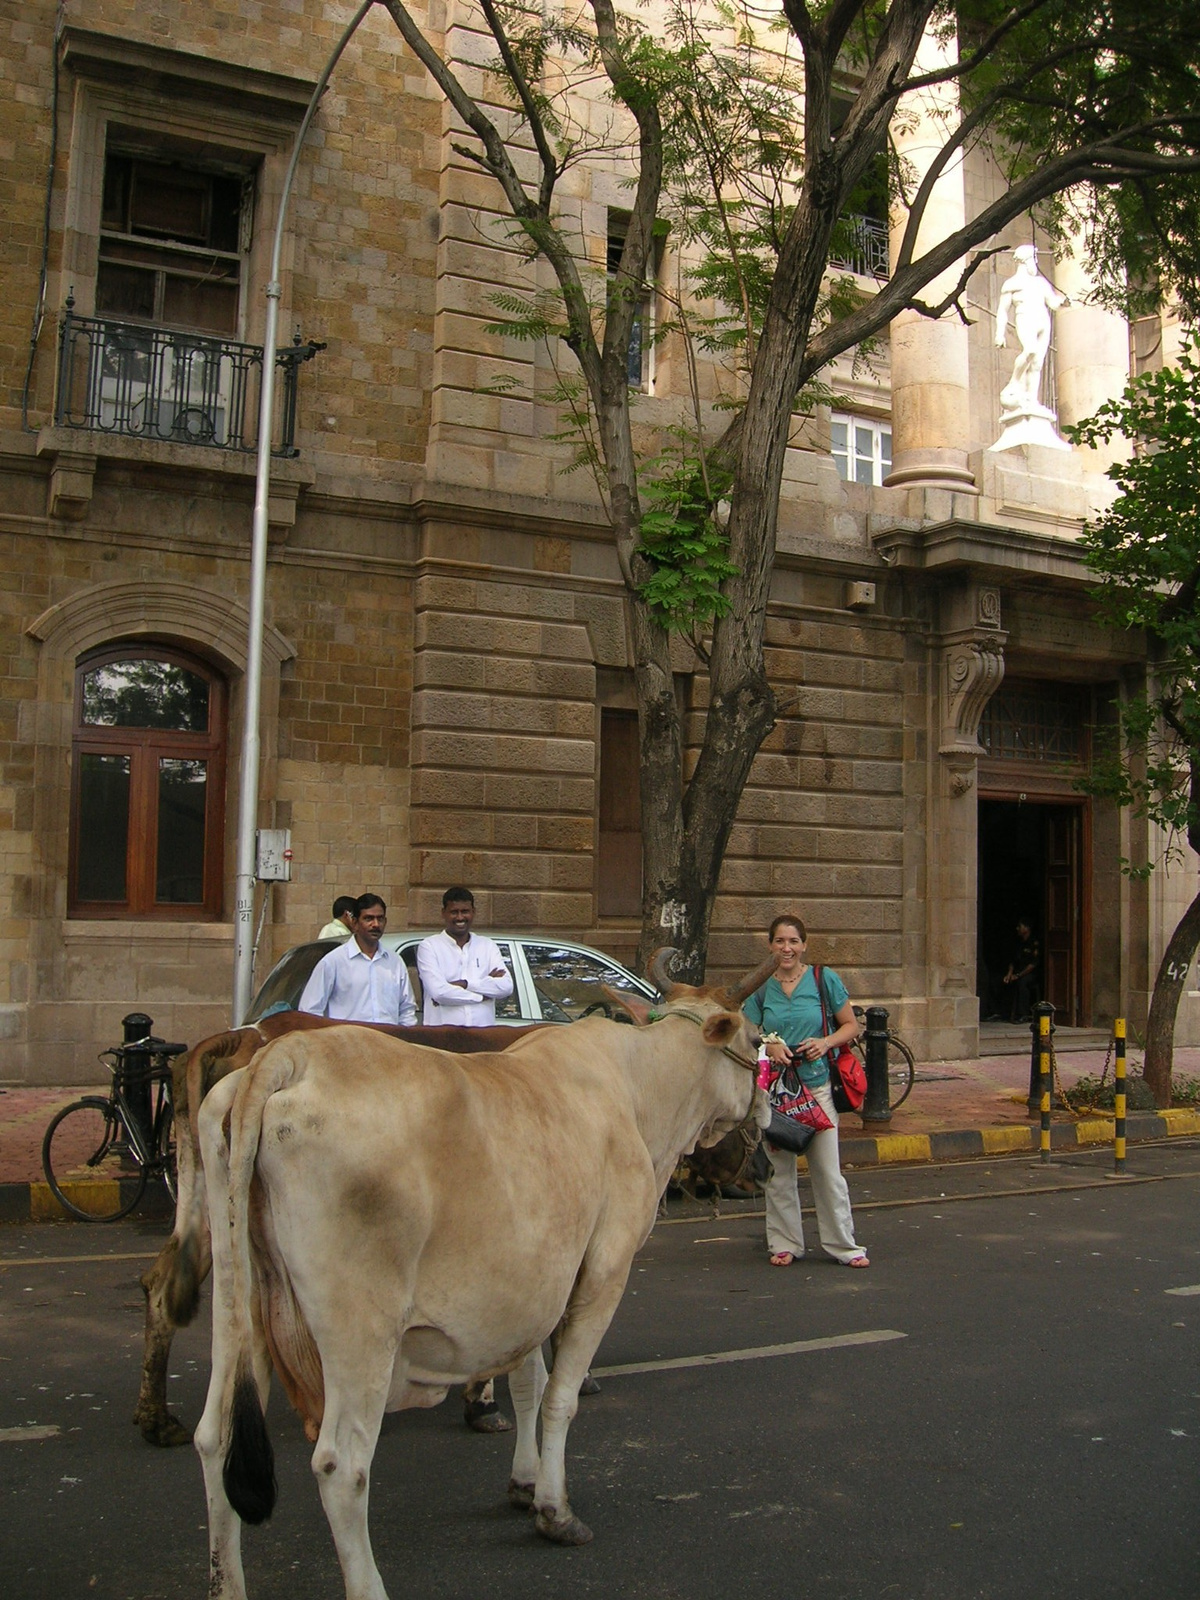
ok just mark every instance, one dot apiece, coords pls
pixel 860 245
pixel 138 382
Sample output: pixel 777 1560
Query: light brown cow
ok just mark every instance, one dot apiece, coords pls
pixel 172 1284
pixel 379 1236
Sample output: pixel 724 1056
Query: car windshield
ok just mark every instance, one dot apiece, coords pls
pixel 286 984
pixel 569 982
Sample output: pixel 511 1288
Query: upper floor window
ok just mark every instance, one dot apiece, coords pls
pixel 1026 720
pixel 172 240
pixel 148 785
pixel 862 450
pixel 641 337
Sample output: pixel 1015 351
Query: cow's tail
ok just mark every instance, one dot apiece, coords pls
pixel 193 1078
pixel 249 1472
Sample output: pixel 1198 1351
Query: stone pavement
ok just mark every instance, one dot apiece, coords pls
pixel 956 1109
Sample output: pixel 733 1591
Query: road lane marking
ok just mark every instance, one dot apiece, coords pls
pixel 34 1431
pixel 63 1261
pixel 799 1347
pixel 1191 1288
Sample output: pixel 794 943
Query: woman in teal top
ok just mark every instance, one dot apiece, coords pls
pixel 789 1006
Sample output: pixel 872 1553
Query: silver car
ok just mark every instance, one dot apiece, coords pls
pixel 554 980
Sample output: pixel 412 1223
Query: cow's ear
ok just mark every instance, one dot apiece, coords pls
pixel 638 1010
pixel 721 1027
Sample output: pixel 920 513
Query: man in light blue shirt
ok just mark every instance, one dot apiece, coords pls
pixel 361 981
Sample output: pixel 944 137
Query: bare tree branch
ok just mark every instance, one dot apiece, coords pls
pixel 550 168
pixel 954 298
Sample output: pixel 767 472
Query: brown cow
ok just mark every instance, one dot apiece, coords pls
pixel 172 1284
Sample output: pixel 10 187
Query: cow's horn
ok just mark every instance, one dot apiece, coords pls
pixel 751 982
pixel 658 972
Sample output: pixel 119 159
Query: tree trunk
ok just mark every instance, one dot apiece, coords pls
pixel 1164 1003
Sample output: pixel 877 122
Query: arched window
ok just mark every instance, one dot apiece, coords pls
pixel 148 783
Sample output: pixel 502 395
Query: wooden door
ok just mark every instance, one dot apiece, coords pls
pixel 619 846
pixel 1062 914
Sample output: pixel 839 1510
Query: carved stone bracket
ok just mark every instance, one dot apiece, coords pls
pixel 972 670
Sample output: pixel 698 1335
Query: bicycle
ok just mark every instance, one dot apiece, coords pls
pixel 902 1064
pixel 105 1151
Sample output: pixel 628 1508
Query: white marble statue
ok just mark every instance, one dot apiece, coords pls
pixel 1029 299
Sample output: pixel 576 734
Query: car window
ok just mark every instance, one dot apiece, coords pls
pixel 507 1010
pixel 568 982
pixel 286 983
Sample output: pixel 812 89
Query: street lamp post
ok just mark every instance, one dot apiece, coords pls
pixel 243 949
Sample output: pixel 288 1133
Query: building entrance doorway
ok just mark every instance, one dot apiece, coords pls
pixel 1032 865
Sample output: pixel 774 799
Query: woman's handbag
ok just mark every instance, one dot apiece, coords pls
pixel 847 1075
pixel 796 1114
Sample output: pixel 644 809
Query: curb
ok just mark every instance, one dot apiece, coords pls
pixel 961 1144
pixel 34 1202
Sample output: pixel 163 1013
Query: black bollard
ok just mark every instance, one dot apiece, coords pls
pixel 135 1070
pixel 876 1108
pixel 1042 1009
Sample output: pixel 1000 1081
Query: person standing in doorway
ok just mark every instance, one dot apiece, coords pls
pixel 1021 977
pixel 462 973
pixel 361 981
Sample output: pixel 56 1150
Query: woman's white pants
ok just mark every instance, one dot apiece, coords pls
pixel 831 1197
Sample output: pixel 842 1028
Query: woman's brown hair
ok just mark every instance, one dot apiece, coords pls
pixel 789 921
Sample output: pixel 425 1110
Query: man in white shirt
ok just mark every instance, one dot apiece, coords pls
pixel 462 973
pixel 361 981
pixel 462 976
pixel 341 923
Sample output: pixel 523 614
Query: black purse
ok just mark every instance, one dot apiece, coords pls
pixel 785 1134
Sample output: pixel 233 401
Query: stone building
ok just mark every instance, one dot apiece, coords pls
pixel 447 691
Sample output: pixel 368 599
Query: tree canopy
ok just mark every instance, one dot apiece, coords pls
pixel 1145 551
pixel 754 134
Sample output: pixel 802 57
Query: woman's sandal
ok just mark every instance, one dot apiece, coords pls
pixel 782 1258
pixel 858 1261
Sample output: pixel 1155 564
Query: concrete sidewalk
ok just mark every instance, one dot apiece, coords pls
pixel 957 1109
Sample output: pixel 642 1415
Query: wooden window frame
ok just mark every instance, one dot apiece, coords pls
pixel 618 837
pixel 145 746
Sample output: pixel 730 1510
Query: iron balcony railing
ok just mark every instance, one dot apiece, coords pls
pixel 157 383
pixel 860 244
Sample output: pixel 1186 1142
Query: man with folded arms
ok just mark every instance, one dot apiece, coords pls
pixel 462 973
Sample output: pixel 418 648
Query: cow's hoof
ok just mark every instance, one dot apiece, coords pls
pixel 567 1530
pixel 164 1431
pixel 485 1416
pixel 589 1385
pixel 520 1495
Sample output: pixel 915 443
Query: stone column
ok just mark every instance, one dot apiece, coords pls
pixel 479 439
pixel 969 660
pixel 1091 352
pixel 930 371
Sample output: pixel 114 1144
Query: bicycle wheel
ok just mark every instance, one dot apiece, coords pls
pixel 902 1068
pixel 88 1164
pixel 902 1071
pixel 166 1152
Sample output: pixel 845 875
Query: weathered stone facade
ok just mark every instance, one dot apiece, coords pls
pixel 445 614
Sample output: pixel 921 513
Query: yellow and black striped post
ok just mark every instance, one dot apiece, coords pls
pixel 1044 1082
pixel 1119 1096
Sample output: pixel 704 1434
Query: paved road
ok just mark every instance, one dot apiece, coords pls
pixel 1033 1433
